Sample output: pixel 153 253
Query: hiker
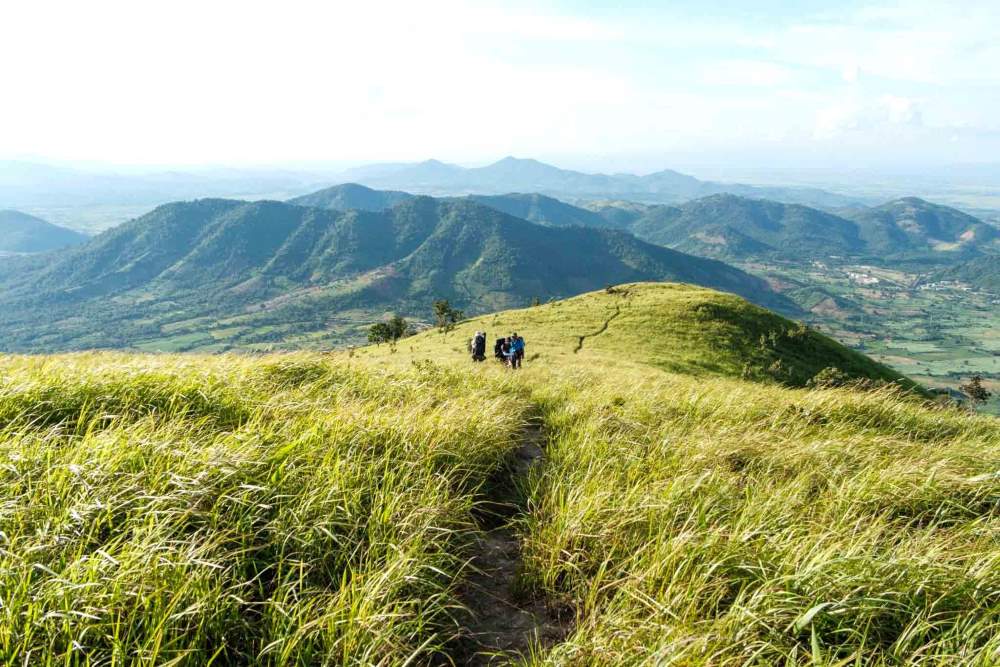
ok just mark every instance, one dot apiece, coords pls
pixel 498 350
pixel 517 345
pixel 478 346
pixel 505 351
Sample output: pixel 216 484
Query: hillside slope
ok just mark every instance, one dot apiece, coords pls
pixel 212 273
pixel 980 272
pixel 914 226
pixel 377 507
pixel 23 233
pixel 673 327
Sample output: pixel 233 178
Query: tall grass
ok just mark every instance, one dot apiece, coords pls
pixel 196 510
pixel 730 523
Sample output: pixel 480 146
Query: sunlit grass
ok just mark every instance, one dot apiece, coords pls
pixel 316 509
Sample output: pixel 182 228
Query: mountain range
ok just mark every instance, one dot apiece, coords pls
pixel 23 233
pixel 235 271
pixel 437 178
pixel 734 228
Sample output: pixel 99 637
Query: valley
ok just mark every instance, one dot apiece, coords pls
pixel 936 332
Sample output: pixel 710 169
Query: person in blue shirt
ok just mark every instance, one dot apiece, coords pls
pixel 517 349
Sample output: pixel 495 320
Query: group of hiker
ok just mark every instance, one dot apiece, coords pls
pixel 509 350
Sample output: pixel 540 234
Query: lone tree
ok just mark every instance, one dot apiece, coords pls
pixel 445 316
pixel 389 332
pixel 974 389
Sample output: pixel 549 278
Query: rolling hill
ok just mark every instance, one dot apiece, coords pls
pixel 914 226
pixel 23 233
pixel 666 326
pixel 649 488
pixel 733 227
pixel 215 273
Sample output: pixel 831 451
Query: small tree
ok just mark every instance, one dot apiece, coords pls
pixel 974 389
pixel 379 333
pixel 389 332
pixel 445 315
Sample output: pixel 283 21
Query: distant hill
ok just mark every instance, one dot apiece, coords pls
pixel 732 226
pixel 526 175
pixel 982 272
pixel 348 196
pixel 545 210
pixel 912 225
pixel 275 269
pixel 23 233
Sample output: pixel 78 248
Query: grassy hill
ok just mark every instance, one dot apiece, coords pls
pixel 23 233
pixel 214 273
pixel 342 509
pixel 671 327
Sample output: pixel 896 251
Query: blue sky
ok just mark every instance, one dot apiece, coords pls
pixel 633 87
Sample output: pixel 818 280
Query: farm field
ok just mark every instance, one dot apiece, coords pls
pixel 632 496
pixel 938 334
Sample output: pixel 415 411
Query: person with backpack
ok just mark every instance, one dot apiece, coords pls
pixel 498 349
pixel 478 346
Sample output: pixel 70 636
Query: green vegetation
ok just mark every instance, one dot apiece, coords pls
pixel 23 233
pixel 182 276
pixel 938 332
pixel 733 227
pixel 390 331
pixel 351 196
pixel 285 510
pixel 981 272
pixel 321 509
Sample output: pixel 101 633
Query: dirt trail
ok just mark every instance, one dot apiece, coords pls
pixel 604 327
pixel 504 622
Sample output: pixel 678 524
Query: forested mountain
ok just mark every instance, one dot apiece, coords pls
pixel 347 196
pixel 524 175
pixel 912 225
pixel 732 227
pixel 545 210
pixel 267 265
pixel 23 233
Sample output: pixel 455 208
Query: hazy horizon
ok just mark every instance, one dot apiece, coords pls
pixel 873 85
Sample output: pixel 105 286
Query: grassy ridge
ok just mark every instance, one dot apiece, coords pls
pixel 288 511
pixel 317 509
pixel 725 523
pixel 672 327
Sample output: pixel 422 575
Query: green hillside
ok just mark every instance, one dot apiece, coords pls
pixel 544 210
pixel 347 196
pixel 634 498
pixel 672 327
pixel 914 226
pixel 981 272
pixel 23 233
pixel 212 274
pixel 731 226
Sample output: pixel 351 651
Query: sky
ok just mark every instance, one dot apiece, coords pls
pixel 632 88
